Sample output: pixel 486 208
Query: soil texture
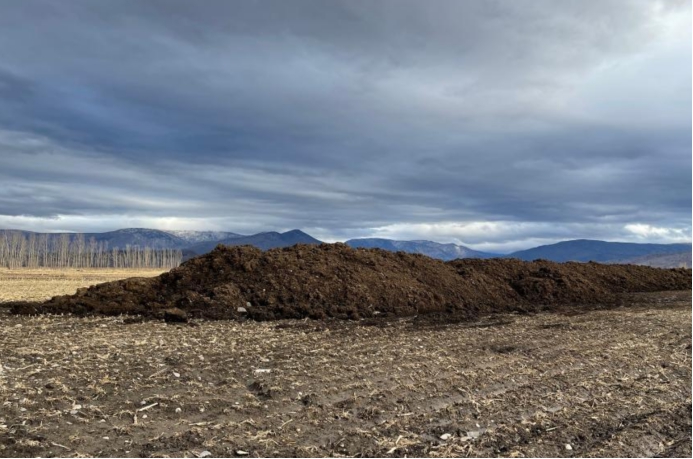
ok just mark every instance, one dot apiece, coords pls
pixel 592 383
pixel 336 281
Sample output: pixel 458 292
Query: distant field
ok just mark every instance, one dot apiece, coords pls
pixel 40 284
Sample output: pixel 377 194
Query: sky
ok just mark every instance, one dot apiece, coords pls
pixel 499 125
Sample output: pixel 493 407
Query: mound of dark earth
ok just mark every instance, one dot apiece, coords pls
pixel 334 280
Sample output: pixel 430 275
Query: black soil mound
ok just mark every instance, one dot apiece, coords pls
pixel 334 280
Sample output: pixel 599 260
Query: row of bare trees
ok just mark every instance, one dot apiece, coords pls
pixel 73 251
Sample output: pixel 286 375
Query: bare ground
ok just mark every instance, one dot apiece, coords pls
pixel 336 281
pixel 611 382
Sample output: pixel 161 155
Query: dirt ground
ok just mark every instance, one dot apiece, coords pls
pixel 613 382
pixel 337 281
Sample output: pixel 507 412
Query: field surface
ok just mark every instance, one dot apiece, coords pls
pixel 41 284
pixel 611 382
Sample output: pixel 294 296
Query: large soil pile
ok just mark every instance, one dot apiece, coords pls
pixel 333 280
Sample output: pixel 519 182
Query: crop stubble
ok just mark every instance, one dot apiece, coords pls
pixel 605 382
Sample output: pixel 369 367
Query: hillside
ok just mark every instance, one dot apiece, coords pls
pixel 142 237
pixel 429 248
pixel 669 260
pixel 196 237
pixel 601 251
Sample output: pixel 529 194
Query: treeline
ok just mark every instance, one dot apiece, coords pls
pixel 72 251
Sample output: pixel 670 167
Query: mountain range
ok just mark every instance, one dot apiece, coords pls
pixel 195 243
pixel 264 241
pixel 430 248
pixel 196 237
pixel 143 237
pixel 601 251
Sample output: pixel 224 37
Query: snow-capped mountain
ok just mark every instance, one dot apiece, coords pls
pixel 195 237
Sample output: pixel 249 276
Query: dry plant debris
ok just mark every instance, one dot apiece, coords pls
pixel 614 382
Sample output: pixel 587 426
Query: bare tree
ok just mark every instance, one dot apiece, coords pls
pixel 62 251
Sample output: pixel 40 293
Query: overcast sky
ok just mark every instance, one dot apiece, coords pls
pixel 496 124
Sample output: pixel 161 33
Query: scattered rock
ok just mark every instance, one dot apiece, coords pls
pixel 553 409
pixel 175 315
pixel 445 436
pixel 242 310
pixel 474 433
pixel 568 447
pixel 240 452
pixel 204 454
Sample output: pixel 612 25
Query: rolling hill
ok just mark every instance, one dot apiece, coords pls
pixel 264 241
pixel 429 248
pixel 601 251
pixel 143 237
pixel 196 237
pixel 667 260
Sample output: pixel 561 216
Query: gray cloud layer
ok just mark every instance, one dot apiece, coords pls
pixel 497 124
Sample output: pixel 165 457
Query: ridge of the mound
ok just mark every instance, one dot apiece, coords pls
pixel 334 280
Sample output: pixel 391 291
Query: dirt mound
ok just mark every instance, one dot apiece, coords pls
pixel 334 280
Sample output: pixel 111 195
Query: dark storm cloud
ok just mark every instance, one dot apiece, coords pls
pixel 418 119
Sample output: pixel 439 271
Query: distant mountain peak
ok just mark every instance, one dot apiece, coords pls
pixel 296 232
pixel 264 241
